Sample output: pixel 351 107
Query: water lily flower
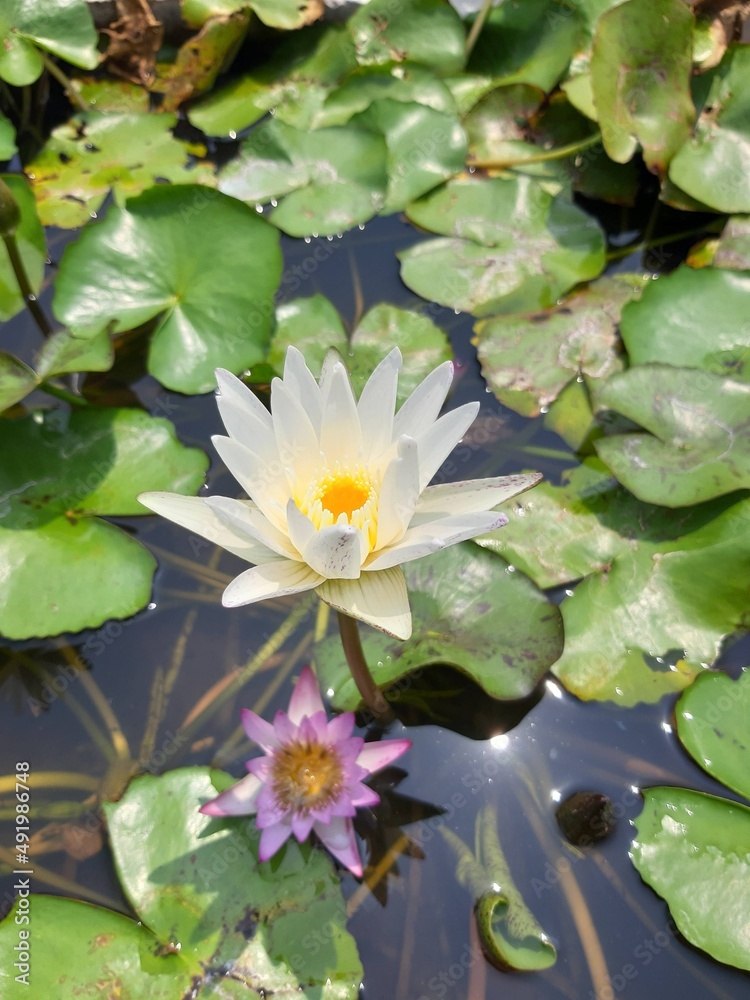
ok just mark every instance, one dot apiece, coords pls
pixel 338 487
pixel 310 779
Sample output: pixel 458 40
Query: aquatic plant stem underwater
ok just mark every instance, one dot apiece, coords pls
pixel 372 696
pixel 10 219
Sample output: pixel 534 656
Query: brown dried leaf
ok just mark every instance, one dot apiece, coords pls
pixel 134 42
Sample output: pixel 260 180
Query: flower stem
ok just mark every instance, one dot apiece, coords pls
pixel 559 153
pixel 476 27
pixel 24 285
pixel 372 696
pixel 65 82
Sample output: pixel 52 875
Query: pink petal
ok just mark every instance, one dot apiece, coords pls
pixel 239 800
pixel 373 756
pixel 362 795
pixel 258 730
pixel 272 838
pixel 301 826
pixel 314 728
pixel 338 837
pixel 268 810
pixel 286 730
pixel 305 698
pixel 341 727
pixel 260 767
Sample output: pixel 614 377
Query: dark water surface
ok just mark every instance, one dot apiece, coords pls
pixel 421 945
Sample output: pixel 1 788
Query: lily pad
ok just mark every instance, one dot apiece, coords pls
pixel 196 882
pixel 314 326
pixel 333 178
pixel 500 120
pixel 295 82
pixel 511 246
pixel 286 14
pixel 96 152
pixel 86 949
pixel 112 95
pixel 425 147
pixel 62 27
pixel 420 31
pixel 510 934
pixel 470 612
pixel 655 581
pixel 694 850
pixel 212 298
pixel 31 246
pixel 733 250
pixel 694 318
pixel 640 75
pixel 527 360
pixel 695 444
pixel 713 164
pixel 66 569
pixel 7 138
pixel 713 723
pixel 530 42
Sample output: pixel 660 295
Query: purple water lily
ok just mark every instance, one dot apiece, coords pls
pixel 311 777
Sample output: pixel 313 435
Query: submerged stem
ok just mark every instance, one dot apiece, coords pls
pixel 65 82
pixel 477 26
pixel 24 285
pixel 355 657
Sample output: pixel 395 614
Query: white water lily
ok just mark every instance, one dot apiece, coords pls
pixel 338 488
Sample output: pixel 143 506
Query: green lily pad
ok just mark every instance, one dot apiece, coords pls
pixel 694 318
pixel 694 850
pixel 470 612
pixel 527 360
pixel 530 42
pixel 31 246
pixel 655 581
pixel 571 416
pixel 333 178
pixel 420 31
pixel 295 82
pixel 196 882
pixel 314 326
pixel 213 297
pixel 7 138
pixel 95 153
pixel 86 951
pixel 713 164
pixel 512 246
pixel 66 569
pixel 510 934
pixel 62 27
pixel 640 75
pixel 425 147
pixel 500 120
pixel 286 14
pixel 112 95
pixel 713 723
pixel 695 444
pixel 60 354
pixel 733 250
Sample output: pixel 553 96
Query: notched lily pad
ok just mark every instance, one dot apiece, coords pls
pixel 527 360
pixel 694 850
pixel 713 723
pixel 696 439
pixel 212 298
pixel 67 569
pixel 661 588
pixel 470 612
pixel 509 246
pixel 93 153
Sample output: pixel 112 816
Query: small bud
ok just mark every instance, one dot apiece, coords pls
pixel 10 213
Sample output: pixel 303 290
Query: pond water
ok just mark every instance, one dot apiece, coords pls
pixel 146 676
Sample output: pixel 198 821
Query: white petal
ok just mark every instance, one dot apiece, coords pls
pixel 436 443
pixel 301 382
pixel 472 495
pixel 266 485
pixel 377 405
pixel 194 514
pixel 436 535
pixel 239 800
pixel 296 440
pixel 244 517
pixel 421 408
pixel 332 358
pixel 300 527
pixel 340 434
pixel 336 552
pixel 379 599
pixel 270 580
pixel 245 417
pixel 399 493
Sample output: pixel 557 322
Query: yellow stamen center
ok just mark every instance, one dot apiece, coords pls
pixel 305 776
pixel 342 495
